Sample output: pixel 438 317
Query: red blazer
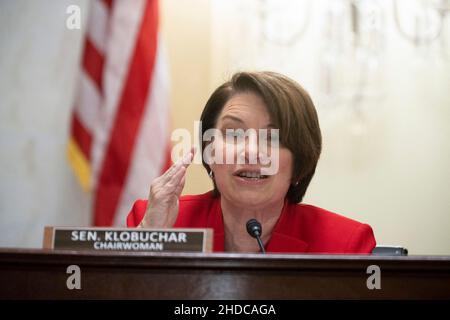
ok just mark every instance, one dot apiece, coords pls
pixel 301 228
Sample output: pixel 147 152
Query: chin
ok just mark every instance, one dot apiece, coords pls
pixel 250 198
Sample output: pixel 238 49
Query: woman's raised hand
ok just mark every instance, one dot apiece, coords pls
pixel 162 208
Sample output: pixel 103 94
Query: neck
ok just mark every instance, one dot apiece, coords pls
pixel 235 219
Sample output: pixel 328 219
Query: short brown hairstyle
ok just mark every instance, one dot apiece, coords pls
pixel 291 110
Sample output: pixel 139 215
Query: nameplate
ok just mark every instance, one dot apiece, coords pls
pixel 124 239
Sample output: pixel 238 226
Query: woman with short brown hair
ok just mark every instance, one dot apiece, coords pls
pixel 292 111
pixel 246 114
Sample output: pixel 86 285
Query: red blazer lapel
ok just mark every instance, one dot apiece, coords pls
pixel 283 238
pixel 280 242
pixel 215 221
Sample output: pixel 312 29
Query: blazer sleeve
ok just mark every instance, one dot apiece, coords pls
pixel 137 213
pixel 362 240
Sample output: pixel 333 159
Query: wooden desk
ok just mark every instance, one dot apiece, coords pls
pixel 41 274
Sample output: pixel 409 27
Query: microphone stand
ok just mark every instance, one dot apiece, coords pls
pixel 254 229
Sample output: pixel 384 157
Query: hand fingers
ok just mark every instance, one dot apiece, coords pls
pixel 169 172
pixel 183 162
pixel 193 151
pixel 160 190
pixel 165 178
pixel 188 157
pixel 175 180
pixel 180 186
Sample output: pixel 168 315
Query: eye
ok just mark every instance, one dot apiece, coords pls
pixel 274 134
pixel 270 136
pixel 234 133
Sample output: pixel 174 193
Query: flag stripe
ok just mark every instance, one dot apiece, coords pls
pixel 98 24
pixel 79 163
pixel 124 24
pixel 149 154
pixel 127 120
pixel 93 62
pixel 108 3
pixel 82 137
pixel 88 103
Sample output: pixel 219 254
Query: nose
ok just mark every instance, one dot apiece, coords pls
pixel 249 152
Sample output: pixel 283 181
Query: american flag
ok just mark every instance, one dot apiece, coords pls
pixel 120 123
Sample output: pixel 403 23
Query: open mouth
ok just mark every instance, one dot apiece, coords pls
pixel 251 175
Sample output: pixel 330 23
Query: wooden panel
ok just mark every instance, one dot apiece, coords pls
pixel 41 274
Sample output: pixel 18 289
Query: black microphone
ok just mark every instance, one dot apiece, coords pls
pixel 255 230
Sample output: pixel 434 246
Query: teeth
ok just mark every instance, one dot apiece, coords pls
pixel 253 175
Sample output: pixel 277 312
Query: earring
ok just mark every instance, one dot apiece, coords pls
pixel 295 184
pixel 211 174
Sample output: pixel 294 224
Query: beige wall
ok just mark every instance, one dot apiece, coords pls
pixel 186 31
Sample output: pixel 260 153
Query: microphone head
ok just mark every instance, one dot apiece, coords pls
pixel 254 228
